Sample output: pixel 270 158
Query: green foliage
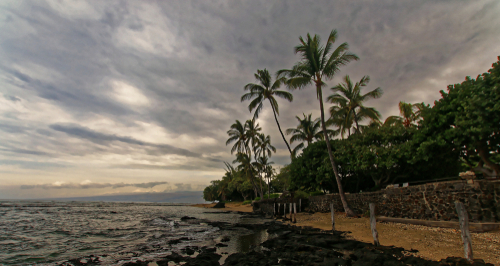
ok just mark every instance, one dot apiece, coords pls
pixel 246 202
pixel 317 193
pixel 466 119
pixel 257 199
pixel 272 196
pixel 299 194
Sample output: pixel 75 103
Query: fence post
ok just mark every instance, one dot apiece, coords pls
pixel 300 205
pixel 373 223
pixel 463 219
pixel 333 218
pixel 294 212
pixel 274 209
pixel 284 210
pixel 291 213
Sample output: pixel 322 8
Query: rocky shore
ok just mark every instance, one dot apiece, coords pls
pixel 290 245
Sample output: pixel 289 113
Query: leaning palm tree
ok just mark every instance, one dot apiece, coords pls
pixel 307 131
pixel 238 135
pixel 266 90
pixel 320 63
pixel 349 94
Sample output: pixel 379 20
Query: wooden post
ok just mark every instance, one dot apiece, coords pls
pixel 284 210
pixel 279 209
pixel 274 209
pixel 373 223
pixel 463 219
pixel 333 218
pixel 300 205
pixel 294 212
pixel 291 213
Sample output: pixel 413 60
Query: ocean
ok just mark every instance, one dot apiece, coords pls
pixel 51 233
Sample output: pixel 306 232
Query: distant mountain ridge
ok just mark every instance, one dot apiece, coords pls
pixel 171 197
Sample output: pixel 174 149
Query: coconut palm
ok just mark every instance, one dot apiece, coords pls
pixel 266 90
pixel 318 64
pixel 307 131
pixel 341 118
pixel 264 146
pixel 248 169
pixel 252 130
pixel 349 95
pixel 262 164
pixel 238 135
pixel 410 114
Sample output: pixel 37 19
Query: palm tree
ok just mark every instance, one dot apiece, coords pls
pixel 320 63
pixel 350 96
pixel 237 133
pixel 410 113
pixel 263 165
pixel 341 118
pixel 251 132
pixel 307 130
pixel 248 168
pixel 264 146
pixel 266 90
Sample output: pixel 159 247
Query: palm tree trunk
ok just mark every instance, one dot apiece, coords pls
pixel 356 121
pixel 276 118
pixel 347 209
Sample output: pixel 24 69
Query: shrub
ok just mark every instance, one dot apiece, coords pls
pixel 272 196
pixel 301 194
pixel 317 193
pixel 246 202
pixel 257 199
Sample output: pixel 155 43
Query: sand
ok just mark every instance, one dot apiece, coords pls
pixel 432 243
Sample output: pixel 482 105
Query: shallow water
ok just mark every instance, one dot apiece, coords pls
pixel 51 232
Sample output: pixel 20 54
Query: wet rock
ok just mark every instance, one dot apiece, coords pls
pixel 220 205
pixel 225 239
pixel 220 245
pixel 184 218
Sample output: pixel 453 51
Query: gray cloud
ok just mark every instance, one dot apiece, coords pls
pixel 183 187
pixel 12 98
pixel 104 139
pixel 93 185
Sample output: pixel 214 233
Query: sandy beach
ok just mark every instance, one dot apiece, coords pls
pixel 431 243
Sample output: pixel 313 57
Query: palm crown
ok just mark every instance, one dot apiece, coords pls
pixel 307 130
pixel 348 96
pixel 266 90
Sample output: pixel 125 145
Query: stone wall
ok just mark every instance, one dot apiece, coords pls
pixel 267 206
pixel 434 201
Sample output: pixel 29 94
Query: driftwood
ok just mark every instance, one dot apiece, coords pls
pixel 373 224
pixel 463 219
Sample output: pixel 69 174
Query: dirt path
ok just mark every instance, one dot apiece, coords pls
pixel 432 243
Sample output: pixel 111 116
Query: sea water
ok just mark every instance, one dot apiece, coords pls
pixel 48 233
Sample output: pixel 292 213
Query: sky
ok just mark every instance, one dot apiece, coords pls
pixel 110 97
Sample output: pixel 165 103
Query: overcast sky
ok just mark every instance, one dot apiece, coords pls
pixel 105 97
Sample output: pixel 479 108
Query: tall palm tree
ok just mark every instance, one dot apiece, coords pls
pixel 237 134
pixel 266 90
pixel 410 114
pixel 320 63
pixel 349 94
pixel 307 131
pixel 263 164
pixel 264 146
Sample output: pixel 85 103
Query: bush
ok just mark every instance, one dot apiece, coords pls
pixel 317 193
pixel 301 194
pixel 257 199
pixel 272 196
pixel 246 202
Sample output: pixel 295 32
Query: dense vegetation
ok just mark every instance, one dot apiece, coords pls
pixel 353 150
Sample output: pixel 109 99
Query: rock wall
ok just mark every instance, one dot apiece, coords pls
pixel 267 206
pixel 434 201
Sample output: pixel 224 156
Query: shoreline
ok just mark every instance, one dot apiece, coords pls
pixel 430 243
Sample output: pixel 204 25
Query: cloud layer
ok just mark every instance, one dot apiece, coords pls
pixel 128 89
